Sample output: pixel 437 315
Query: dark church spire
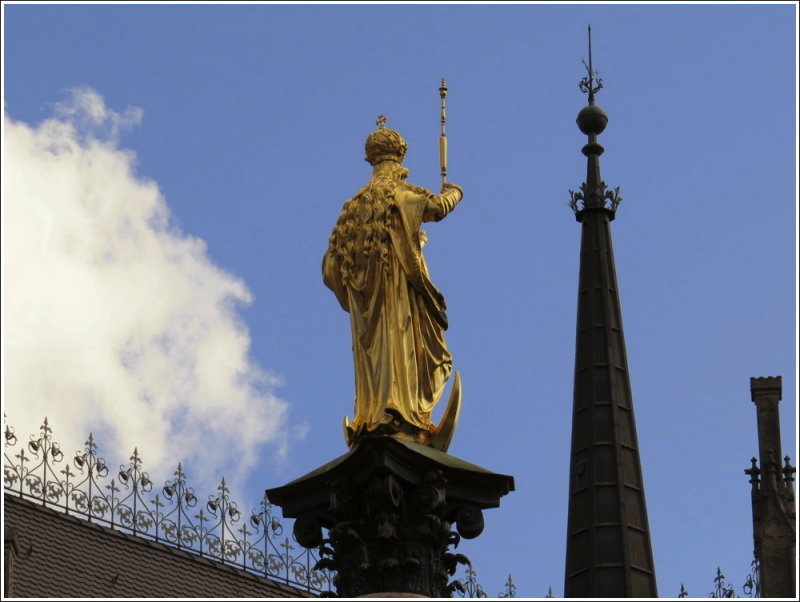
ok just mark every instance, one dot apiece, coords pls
pixel 608 537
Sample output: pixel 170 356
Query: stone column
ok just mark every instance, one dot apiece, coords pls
pixel 394 511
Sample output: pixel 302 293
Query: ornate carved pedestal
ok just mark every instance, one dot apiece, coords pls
pixel 390 507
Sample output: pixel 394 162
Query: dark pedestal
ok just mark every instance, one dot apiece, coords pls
pixel 389 506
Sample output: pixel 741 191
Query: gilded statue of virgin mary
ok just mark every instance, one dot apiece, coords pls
pixel 374 265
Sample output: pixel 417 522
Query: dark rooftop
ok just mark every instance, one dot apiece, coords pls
pixel 58 555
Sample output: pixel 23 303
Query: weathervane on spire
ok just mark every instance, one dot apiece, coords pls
pixel 588 84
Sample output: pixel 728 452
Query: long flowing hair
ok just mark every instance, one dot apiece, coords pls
pixel 361 234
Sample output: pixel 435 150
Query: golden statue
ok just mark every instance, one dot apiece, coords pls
pixel 374 265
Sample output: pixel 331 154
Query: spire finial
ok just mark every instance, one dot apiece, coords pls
pixel 381 121
pixel 592 121
pixel 589 84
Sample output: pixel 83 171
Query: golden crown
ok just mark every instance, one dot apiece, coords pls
pixel 384 144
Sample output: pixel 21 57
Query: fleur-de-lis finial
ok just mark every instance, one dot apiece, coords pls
pixel 589 84
pixel 381 121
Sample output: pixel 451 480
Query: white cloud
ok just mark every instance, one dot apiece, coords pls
pixel 116 322
pixel 87 109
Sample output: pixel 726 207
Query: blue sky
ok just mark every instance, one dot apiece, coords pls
pixel 218 143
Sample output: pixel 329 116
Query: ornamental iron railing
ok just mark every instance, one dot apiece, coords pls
pixel 751 587
pixel 173 514
pixel 752 583
pixel 721 589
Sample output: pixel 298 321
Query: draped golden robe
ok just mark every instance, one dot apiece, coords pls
pixel 397 315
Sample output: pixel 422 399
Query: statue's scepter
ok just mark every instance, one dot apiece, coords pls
pixel 443 137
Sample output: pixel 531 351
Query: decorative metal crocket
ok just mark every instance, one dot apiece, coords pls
pixel 374 265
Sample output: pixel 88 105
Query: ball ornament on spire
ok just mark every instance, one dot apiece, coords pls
pixel 592 120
